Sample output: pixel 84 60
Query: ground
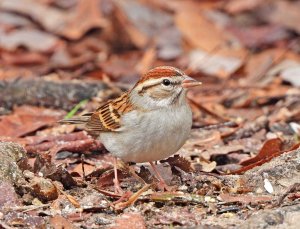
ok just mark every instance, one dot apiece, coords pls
pixel 240 168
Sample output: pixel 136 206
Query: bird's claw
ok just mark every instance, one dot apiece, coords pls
pixel 118 189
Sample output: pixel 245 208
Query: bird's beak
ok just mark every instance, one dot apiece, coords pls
pixel 189 82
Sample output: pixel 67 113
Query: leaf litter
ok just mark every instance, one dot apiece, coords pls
pixel 245 116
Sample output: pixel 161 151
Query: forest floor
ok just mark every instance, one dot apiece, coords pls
pixel 240 167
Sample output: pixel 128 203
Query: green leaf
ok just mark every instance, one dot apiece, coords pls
pixel 76 108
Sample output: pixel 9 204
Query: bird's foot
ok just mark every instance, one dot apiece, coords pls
pixel 118 189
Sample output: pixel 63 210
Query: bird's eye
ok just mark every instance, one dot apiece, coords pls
pixel 166 82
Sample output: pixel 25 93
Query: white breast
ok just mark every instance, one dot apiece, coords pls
pixel 150 136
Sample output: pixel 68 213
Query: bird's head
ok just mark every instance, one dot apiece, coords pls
pixel 161 87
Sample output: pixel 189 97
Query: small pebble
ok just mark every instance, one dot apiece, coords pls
pixel 268 186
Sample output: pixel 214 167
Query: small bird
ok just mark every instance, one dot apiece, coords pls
pixel 150 122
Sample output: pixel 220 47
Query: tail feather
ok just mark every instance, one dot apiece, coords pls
pixel 75 120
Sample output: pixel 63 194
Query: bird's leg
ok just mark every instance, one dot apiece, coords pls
pixel 161 180
pixel 118 189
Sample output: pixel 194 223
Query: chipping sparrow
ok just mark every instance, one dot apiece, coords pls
pixel 150 122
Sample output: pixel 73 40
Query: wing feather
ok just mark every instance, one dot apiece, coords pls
pixel 107 118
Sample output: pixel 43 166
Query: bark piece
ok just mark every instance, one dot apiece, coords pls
pixel 49 93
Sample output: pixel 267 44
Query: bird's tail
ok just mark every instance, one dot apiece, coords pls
pixel 76 120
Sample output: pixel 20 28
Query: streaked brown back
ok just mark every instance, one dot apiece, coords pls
pixel 107 117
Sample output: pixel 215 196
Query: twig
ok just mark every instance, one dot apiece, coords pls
pixel 82 166
pixel 70 198
pixel 133 198
pixel 295 187
pixel 26 208
pixel 216 126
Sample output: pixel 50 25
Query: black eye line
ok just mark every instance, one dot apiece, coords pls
pixel 172 82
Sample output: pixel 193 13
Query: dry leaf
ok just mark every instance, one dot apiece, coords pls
pixel 59 222
pixel 180 162
pixel 278 14
pixel 238 6
pixel 270 147
pixel 27 119
pixel 196 29
pixel 28 38
pixel 213 64
pixel 72 25
pixel 208 167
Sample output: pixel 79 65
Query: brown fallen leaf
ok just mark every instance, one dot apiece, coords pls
pixel 88 169
pixel 35 140
pixel 62 58
pixel 76 146
pixel 204 139
pixel 28 38
pixel 147 61
pixel 127 29
pixel 196 29
pixel 213 64
pixel 107 177
pixel 238 6
pixel 72 25
pixel 259 67
pixel 179 162
pixel 169 44
pixel 278 15
pixel 59 222
pixel 11 21
pixel 27 119
pixel 23 58
pixel 290 72
pixel 86 16
pixel 270 147
pixel 294 196
pixel 259 36
pixel 208 167
pixel 266 155
pixel 142 23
